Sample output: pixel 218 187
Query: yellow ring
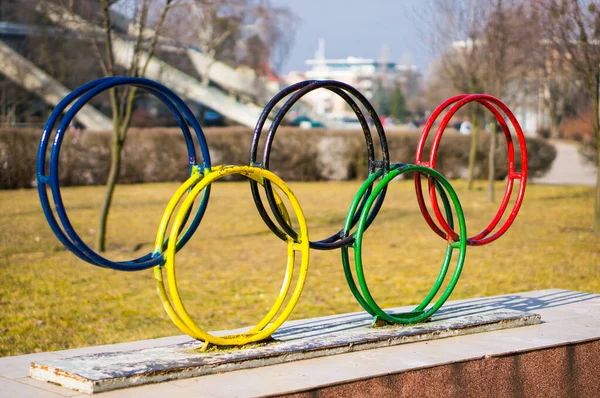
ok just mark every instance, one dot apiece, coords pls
pixel 175 307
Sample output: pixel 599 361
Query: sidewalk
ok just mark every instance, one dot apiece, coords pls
pixel 569 168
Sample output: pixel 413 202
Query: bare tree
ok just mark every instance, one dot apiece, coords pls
pixel 253 33
pixel 560 88
pixel 508 40
pixel 96 21
pixel 91 21
pixel 211 25
pixel 271 33
pixel 486 47
pixel 219 27
pixel 122 100
pixel 572 30
pixel 457 27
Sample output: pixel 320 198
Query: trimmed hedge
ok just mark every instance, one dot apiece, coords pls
pixel 154 155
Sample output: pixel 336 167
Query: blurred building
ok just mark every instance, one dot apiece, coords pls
pixel 365 74
pixel 47 50
pixel 524 96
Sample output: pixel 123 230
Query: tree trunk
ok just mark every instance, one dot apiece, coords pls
pixel 113 175
pixel 554 126
pixel 596 105
pixel 122 107
pixel 205 82
pixel 492 163
pixel 473 150
pixel 205 73
pixel 597 203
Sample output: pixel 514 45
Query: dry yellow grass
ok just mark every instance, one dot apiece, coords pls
pixel 231 270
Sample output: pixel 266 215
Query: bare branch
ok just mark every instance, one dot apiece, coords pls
pixel 158 30
pixel 98 54
pixel 110 62
pixel 137 52
pixel 108 44
pixel 128 107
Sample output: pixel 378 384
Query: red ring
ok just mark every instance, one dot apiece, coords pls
pixel 486 100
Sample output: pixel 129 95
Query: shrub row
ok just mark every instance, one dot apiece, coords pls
pixel 154 155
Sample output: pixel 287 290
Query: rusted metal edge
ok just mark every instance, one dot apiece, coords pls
pixel 66 379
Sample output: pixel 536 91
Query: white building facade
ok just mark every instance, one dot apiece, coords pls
pixel 364 74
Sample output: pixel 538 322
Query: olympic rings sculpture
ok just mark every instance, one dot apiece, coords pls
pixel 362 212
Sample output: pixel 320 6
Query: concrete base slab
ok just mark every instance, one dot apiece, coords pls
pixel 299 340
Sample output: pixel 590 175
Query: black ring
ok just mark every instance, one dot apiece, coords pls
pixel 300 89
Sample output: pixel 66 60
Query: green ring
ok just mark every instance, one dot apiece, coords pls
pixel 365 299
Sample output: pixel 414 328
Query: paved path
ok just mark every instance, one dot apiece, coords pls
pixel 569 168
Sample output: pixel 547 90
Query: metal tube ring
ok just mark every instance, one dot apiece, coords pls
pixel 67 234
pixel 172 301
pixel 366 300
pixel 459 101
pixel 298 90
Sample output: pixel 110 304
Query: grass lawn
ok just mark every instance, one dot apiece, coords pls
pixel 231 270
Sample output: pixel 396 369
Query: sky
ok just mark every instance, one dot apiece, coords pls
pixel 358 28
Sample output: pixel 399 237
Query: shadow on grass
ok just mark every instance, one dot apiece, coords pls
pixel 69 208
pixel 389 216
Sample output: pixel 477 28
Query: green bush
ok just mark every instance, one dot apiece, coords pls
pixel 154 155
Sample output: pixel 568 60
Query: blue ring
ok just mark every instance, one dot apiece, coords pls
pixel 73 242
